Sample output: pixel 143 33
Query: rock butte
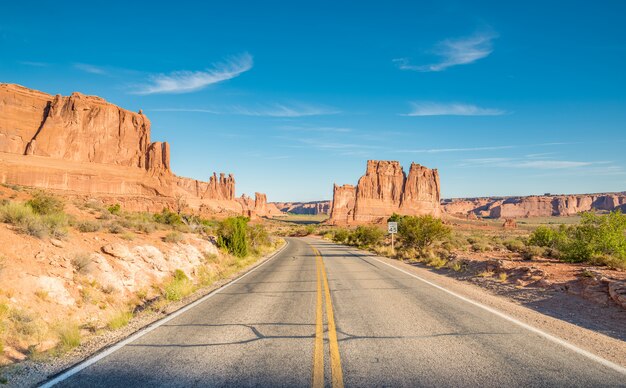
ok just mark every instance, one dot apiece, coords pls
pixel 385 189
pixel 84 146
pixel 534 206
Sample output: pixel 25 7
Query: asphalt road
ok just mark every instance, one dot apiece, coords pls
pixel 380 327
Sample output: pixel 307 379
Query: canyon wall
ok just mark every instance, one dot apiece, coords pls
pixel 83 145
pixel 313 208
pixel 385 189
pixel 534 206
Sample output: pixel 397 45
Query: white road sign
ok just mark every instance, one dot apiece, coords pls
pixel 392 227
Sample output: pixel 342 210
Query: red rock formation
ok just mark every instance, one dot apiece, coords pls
pixel 535 206
pixel 315 207
pixel 86 146
pixel 384 190
pixel 509 223
pixel 344 199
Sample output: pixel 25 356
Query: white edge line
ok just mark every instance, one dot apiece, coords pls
pixel 526 326
pixel 92 360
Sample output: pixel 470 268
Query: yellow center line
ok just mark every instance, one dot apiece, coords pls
pixel 318 353
pixel 335 359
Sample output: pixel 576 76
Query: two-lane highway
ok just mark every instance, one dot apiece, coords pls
pixel 319 314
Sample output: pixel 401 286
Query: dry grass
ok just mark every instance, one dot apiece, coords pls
pixel 119 319
pixel 486 274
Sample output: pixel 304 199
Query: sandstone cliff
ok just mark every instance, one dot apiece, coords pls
pixel 384 190
pixel 83 145
pixel 315 207
pixel 535 206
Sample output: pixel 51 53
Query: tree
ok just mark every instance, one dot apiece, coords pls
pixel 232 234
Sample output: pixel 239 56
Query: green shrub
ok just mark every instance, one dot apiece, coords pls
pixel 258 236
pixel 179 287
pixel 421 232
pixel 596 235
pixel 115 209
pixel 119 319
pixel 69 336
pixel 27 221
pixel 173 237
pixel 366 236
pixel 168 217
pixel 514 245
pixel 43 203
pixel 87 226
pixel 232 235
pixel 545 236
pixel 15 213
pixel 340 236
pixel 532 252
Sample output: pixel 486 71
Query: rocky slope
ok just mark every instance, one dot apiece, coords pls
pixel 314 208
pixel 534 206
pixel 385 189
pixel 83 145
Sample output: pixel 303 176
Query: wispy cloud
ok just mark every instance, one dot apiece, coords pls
pixel 87 68
pixel 264 110
pixel 191 81
pixel 34 64
pixel 529 163
pixel 455 52
pixel 453 109
pixel 440 150
pixel 303 128
pixel 285 110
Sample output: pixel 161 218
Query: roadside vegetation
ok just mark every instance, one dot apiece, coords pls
pixel 596 239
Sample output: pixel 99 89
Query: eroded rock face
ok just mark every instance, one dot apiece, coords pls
pixel 535 206
pixel 84 145
pixel 315 207
pixel 384 190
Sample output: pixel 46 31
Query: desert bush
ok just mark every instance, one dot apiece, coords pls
pixel 597 238
pixel 232 235
pixel 421 232
pixel 27 221
pixel 82 263
pixel 514 245
pixel 481 246
pixel 168 217
pixel 340 236
pixel 88 226
pixel 139 222
pixel 116 228
pixel 15 213
pixel 178 287
pixel 173 237
pixel 366 236
pixel 532 252
pixel 115 209
pixel 258 237
pixel 43 203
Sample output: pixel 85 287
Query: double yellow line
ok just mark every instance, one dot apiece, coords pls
pixel 318 353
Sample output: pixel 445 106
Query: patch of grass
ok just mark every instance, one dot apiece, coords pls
pixel 486 274
pixel 456 265
pixel 178 287
pixel 27 221
pixel 173 237
pixel 69 336
pixel 42 294
pixel 119 319
pixel 502 277
pixel 532 252
pixel 128 236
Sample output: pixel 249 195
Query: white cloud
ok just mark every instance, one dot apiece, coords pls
pixel 285 110
pixel 265 110
pixel 191 81
pixel 439 150
pixel 90 68
pixel 455 52
pixel 529 163
pixel 453 109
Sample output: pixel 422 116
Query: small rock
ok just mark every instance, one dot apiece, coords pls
pixel 57 243
pixel 617 291
pixel 116 250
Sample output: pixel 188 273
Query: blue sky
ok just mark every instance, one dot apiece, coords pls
pixel 504 99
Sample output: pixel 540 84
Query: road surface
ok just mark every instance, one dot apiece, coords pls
pixel 277 326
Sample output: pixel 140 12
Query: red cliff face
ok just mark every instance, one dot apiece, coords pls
pixel 84 145
pixel 535 206
pixel 384 190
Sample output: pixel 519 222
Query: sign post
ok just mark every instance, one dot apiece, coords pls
pixel 392 228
